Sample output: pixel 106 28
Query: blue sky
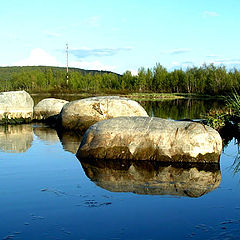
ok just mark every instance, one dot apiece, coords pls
pixel 120 35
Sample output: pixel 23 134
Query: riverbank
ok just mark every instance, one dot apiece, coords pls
pixel 134 96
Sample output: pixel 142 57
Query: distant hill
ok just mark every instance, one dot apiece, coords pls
pixel 7 72
pixel 53 79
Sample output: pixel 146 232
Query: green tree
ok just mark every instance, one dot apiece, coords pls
pixel 160 78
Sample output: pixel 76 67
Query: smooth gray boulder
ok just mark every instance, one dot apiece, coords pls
pixel 16 138
pixel 16 105
pixel 145 138
pixel 48 107
pixel 81 114
pixel 153 177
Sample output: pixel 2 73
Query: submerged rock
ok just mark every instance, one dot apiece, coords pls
pixel 16 107
pixel 145 138
pixel 151 177
pixel 81 114
pixel 48 107
pixel 16 138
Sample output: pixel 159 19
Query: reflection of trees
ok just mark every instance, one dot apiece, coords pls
pixel 229 133
pixel 236 163
pixel 179 108
pixel 16 138
pixel 153 177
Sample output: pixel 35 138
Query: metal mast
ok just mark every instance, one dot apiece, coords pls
pixel 67 62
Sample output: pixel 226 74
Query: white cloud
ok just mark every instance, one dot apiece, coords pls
pixel 98 52
pixel 180 51
pixel 134 72
pixel 94 65
pixel 212 56
pixel 210 14
pixel 177 65
pixel 225 61
pixel 38 57
pixel 228 62
pixel 176 51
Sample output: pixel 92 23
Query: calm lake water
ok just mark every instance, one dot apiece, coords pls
pixel 47 193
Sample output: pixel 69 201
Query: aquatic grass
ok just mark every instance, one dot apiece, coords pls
pixel 217 118
pixel 153 96
pixel 227 116
pixel 233 103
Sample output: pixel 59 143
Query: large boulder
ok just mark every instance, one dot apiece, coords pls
pixel 16 106
pixel 153 177
pixel 145 138
pixel 48 108
pixel 81 114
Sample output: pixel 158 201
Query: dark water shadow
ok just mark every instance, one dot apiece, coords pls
pixel 153 178
pixel 181 108
pixel 16 138
pixel 229 132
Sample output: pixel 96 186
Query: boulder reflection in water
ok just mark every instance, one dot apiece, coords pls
pixel 16 138
pixel 70 140
pixel 46 134
pixel 155 178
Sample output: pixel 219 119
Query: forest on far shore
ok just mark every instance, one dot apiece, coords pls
pixel 206 79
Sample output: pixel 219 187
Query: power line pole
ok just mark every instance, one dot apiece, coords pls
pixel 67 62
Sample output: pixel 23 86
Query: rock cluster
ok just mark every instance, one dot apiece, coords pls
pixel 118 128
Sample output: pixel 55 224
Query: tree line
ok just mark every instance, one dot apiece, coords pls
pixel 206 79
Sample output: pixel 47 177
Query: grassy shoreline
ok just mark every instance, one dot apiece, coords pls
pixel 135 96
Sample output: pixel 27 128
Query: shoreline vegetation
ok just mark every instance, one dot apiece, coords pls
pixel 226 120
pixel 135 95
pixel 203 81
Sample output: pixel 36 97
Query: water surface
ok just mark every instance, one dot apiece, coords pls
pixel 47 193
